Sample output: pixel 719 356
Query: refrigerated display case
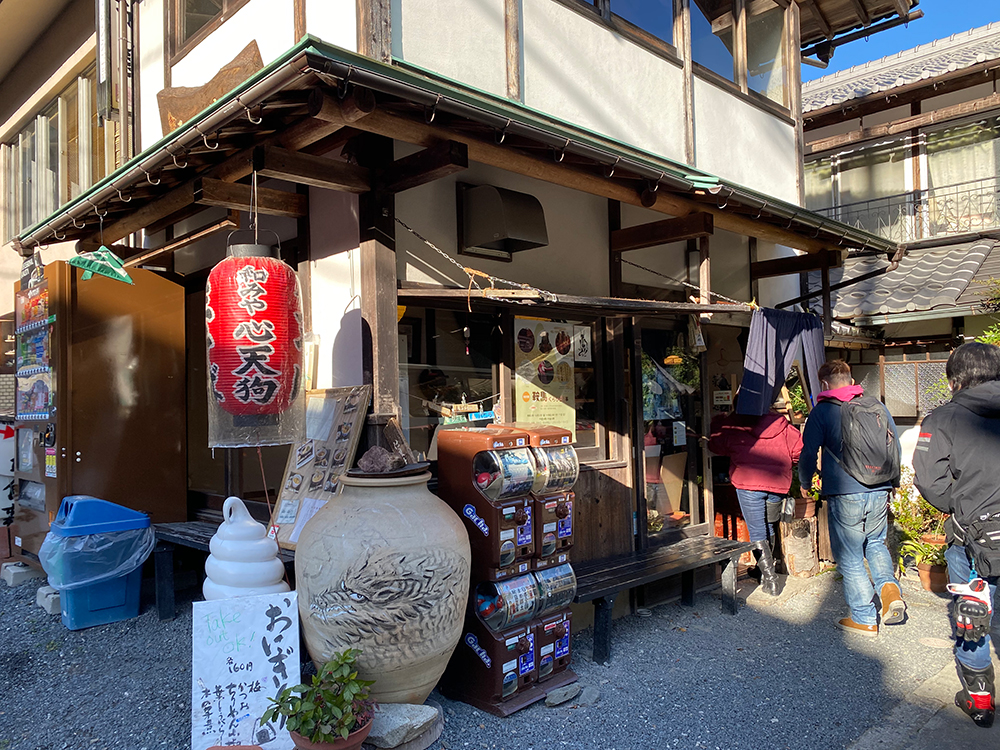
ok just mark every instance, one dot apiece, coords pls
pixel 100 404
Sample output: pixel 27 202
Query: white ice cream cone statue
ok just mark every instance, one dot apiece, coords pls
pixel 244 561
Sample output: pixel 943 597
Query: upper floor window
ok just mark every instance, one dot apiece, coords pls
pixel 654 16
pixel 191 21
pixel 766 53
pixel 712 36
pixel 56 156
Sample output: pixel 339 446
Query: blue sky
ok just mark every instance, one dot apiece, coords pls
pixel 942 18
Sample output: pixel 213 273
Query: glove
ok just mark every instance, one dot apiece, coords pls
pixel 973 609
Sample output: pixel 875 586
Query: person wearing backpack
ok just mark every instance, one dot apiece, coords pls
pixel 955 463
pixel 860 467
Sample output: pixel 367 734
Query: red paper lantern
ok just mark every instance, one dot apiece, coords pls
pixel 254 316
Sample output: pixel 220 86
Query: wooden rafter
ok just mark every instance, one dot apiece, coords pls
pixel 902 7
pixel 824 25
pixel 232 221
pixel 432 163
pixel 236 195
pixel 861 12
pixel 688 227
pixel 317 171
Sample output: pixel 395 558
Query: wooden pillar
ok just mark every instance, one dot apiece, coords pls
pixel 379 330
pixel 794 87
pixel 740 45
pixel 512 34
pixel 704 271
pixel 827 303
pixel 754 282
pixel 682 40
pixel 374 29
pixel 614 259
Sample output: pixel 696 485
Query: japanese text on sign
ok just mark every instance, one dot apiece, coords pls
pixel 244 651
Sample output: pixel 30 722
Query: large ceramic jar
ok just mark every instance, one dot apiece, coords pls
pixel 384 568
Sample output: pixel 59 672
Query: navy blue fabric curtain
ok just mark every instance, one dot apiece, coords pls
pixel 776 338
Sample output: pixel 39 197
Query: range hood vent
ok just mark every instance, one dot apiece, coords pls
pixel 496 222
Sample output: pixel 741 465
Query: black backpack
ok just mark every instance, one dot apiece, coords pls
pixel 869 447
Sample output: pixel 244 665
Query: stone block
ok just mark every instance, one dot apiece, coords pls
pixel 398 723
pixel 48 599
pixel 16 573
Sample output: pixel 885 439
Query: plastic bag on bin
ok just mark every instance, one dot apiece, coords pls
pixel 73 562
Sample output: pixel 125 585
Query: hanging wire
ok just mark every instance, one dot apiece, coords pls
pixel 687 284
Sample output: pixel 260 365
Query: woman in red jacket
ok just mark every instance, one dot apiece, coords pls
pixel 761 452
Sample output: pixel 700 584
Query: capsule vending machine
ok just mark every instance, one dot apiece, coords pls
pixel 487 475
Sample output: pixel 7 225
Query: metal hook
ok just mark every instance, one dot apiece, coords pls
pixel 96 209
pixel 759 213
pixel 611 172
pixel 819 229
pixel 561 153
pixel 653 185
pixel 429 118
pixel 342 86
pixel 73 219
pixel 843 237
pixel 148 178
pixel 57 237
pixel 258 121
pixel 174 157
pixel 722 206
pixel 499 137
pixel 204 139
pixel 122 197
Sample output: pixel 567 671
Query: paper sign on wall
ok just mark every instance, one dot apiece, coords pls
pixel 680 433
pixel 243 651
pixel 544 382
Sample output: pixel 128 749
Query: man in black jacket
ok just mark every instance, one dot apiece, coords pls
pixel 956 462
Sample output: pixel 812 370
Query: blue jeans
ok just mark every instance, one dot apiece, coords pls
pixel 753 503
pixel 973 655
pixel 857 532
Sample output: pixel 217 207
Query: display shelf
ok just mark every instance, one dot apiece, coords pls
pixel 25 372
pixel 35 325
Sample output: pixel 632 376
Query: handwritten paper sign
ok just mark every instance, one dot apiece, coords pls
pixel 243 651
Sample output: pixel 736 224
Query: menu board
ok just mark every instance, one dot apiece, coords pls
pixel 334 420
pixel 544 382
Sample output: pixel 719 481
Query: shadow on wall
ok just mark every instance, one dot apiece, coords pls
pixel 347 351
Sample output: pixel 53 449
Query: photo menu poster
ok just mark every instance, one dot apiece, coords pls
pixel 544 384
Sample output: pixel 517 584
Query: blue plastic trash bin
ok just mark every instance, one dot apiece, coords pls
pixel 107 601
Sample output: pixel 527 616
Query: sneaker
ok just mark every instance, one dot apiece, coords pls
pixel 846 623
pixel 893 606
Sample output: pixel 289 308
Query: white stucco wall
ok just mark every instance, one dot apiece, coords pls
pixel 575 261
pixel 669 259
pixel 270 22
pixel 460 39
pixel 582 72
pixel 742 143
pixel 333 21
pixel 776 289
pixel 151 51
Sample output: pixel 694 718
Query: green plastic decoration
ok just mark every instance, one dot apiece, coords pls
pixel 101 261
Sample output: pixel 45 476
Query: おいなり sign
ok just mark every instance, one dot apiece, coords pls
pixel 243 651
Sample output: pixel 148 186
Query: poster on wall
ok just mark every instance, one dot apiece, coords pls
pixel 544 383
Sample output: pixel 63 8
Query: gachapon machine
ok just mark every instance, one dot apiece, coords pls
pixel 556 471
pixel 556 589
pixel 486 474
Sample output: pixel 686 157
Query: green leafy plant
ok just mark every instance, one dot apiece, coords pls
pixel 331 706
pixel 797 399
pixel 915 515
pixel 921 552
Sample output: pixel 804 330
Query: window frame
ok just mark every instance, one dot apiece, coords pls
pixel 177 49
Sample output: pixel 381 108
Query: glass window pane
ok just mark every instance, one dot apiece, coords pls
pixel 712 36
pixel 195 15
pixel 819 184
pixel 654 16
pixel 765 54
pixel 70 110
pixel 97 167
pixel 26 146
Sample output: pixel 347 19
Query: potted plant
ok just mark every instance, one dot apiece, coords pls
pixel 332 711
pixel 929 558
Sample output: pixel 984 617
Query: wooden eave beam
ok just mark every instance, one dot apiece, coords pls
pixel 316 171
pixel 763 269
pixel 954 112
pixel 690 227
pixel 140 256
pixel 235 195
pixel 824 25
pixel 433 163
pixel 861 12
pixel 487 151
pixel 902 7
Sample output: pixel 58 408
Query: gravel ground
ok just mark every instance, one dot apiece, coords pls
pixel 779 675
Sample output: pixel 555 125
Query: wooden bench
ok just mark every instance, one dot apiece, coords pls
pixel 600 581
pixel 193 534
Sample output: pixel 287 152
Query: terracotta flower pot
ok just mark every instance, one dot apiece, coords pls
pixel 350 742
pixel 934 578
pixel 938 539
pixel 805 508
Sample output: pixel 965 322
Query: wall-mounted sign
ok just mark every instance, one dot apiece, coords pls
pixel 544 383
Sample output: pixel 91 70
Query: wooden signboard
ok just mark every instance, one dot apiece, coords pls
pixel 243 651
pixel 334 420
